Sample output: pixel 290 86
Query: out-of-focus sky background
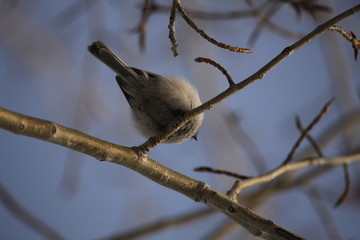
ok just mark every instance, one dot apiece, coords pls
pixel 47 72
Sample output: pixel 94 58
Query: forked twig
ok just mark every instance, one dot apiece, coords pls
pixel 324 110
pixel 191 23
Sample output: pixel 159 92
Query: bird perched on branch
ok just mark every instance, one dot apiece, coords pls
pixel 156 101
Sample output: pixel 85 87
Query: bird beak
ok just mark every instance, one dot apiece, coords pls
pixel 195 137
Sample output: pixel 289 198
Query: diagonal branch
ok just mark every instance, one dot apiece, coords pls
pixel 102 150
pixel 286 52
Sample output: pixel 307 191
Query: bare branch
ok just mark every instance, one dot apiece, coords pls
pixel 292 167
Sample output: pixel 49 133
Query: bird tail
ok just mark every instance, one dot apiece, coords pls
pixel 104 54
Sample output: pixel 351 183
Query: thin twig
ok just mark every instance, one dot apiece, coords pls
pixel 309 137
pixel 192 24
pixel 218 66
pixel 307 130
pixel 221 172
pixel 171 27
pixel 350 36
pixel 346 191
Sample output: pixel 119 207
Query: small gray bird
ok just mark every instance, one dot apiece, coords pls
pixel 156 101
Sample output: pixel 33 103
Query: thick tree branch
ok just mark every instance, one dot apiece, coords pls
pixel 102 150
